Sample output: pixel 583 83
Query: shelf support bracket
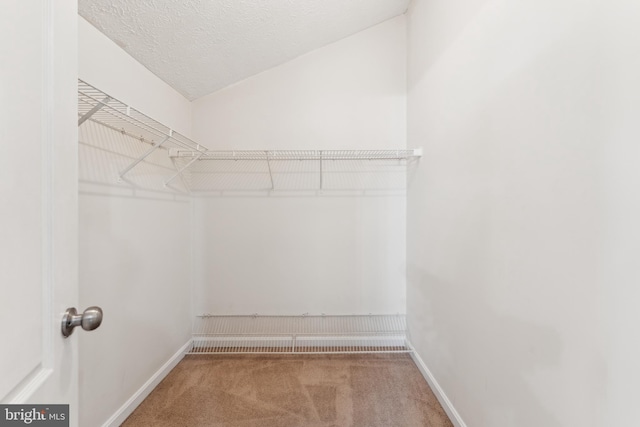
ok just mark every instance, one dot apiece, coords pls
pixel 144 156
pixel 94 110
pixel 188 189
pixel 185 167
pixel 270 173
pixel 321 183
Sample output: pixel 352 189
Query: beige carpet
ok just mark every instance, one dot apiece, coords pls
pixel 383 390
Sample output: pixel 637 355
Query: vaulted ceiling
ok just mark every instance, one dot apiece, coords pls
pixel 200 46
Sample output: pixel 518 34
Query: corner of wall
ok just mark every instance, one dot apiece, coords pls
pixel 437 390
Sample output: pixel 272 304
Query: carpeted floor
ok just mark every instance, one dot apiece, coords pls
pixel 383 390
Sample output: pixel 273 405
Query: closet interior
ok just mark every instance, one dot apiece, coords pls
pixel 152 156
pixel 241 223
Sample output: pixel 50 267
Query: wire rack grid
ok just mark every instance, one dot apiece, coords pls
pixel 299 334
pixel 324 155
pixel 97 106
pixel 284 170
pixel 199 170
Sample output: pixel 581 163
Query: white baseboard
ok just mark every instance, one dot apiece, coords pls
pixel 130 405
pixel 455 418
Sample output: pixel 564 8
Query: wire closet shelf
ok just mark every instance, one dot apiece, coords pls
pixel 95 105
pixel 301 155
pixel 292 170
pixel 98 107
pixel 203 171
pixel 299 334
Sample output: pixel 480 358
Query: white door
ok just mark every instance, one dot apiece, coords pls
pixel 38 201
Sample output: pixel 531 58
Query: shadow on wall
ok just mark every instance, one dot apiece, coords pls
pixel 465 340
pixel 309 177
pixel 103 154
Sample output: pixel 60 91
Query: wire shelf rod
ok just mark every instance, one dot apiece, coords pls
pixel 127 133
pixel 309 155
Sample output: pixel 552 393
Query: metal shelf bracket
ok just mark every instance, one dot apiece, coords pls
pixel 270 173
pixel 144 156
pixel 94 110
pixel 182 169
pixel 320 170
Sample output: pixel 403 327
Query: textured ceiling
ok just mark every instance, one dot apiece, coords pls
pixel 200 46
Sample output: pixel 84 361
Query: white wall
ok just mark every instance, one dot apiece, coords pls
pixel 290 255
pixel 347 95
pixel 618 100
pixel 522 289
pixel 134 244
pixel 294 255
